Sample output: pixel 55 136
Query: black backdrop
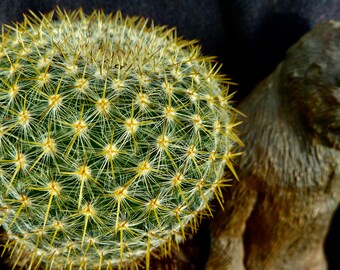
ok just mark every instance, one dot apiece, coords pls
pixel 249 37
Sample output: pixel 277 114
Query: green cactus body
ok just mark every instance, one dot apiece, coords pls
pixel 114 137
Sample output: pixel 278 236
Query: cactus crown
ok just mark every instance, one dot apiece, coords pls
pixel 114 136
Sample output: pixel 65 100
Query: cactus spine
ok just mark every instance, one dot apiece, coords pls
pixel 114 138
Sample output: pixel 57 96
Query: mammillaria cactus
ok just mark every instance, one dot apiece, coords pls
pixel 114 137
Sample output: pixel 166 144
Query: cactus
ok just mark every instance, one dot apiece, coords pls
pixel 115 135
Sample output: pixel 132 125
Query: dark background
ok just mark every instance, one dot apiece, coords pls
pixel 250 37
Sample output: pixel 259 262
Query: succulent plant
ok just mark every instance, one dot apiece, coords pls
pixel 114 136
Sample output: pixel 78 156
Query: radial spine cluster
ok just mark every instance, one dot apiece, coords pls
pixel 114 136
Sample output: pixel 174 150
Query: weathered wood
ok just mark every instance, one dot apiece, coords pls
pixel 278 215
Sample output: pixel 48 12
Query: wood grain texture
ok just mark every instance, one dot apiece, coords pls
pixel 278 215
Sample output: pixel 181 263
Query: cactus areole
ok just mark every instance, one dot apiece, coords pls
pixel 114 136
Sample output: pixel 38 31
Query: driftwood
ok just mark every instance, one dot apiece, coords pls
pixel 278 215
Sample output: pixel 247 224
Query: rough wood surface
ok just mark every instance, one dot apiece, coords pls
pixel 278 215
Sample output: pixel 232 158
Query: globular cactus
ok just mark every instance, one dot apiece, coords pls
pixel 115 135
